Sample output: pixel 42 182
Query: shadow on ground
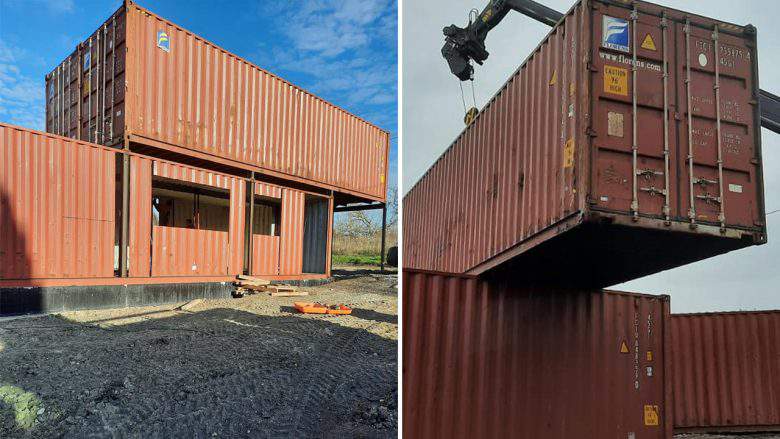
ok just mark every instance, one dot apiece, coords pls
pixel 221 372
pixel 369 314
pixel 346 273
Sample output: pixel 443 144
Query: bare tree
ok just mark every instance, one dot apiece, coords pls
pixel 357 224
pixel 392 207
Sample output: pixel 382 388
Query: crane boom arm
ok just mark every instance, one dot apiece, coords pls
pixel 468 43
pixel 462 45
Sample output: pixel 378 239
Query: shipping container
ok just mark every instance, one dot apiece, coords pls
pixel 627 143
pixel 142 80
pixel 60 208
pixel 56 207
pixel 493 359
pixel 726 371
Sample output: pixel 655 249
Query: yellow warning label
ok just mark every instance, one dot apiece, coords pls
pixel 649 355
pixel 616 80
pixel 382 178
pixel 651 415
pixel 554 77
pixel 648 43
pixel 572 89
pixel 623 347
pixel 568 154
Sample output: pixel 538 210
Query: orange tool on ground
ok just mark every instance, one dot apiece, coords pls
pixel 319 308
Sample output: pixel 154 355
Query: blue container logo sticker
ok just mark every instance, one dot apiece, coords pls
pixel 87 60
pixel 163 42
pixel 614 34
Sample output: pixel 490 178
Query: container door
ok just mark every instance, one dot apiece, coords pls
pixel 717 128
pixel 633 116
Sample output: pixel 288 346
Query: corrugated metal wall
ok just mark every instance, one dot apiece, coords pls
pixel 139 253
pixel 265 259
pixel 576 136
pixel 56 207
pixel 291 251
pixel 206 253
pixel 496 360
pixel 726 371
pixel 191 175
pixel 268 190
pixel 237 225
pixel 508 175
pixel 198 96
pixel 59 216
pixel 315 235
pixel 178 251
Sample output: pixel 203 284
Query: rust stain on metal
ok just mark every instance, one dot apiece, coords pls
pixel 545 153
pixel 493 359
pixel 725 371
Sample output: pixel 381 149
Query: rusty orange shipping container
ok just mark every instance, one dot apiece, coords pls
pixel 726 371
pixel 496 360
pixel 59 227
pixel 142 80
pixel 627 143
pixel 57 207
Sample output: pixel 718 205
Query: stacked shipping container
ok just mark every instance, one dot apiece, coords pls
pixel 494 359
pixel 582 154
pixel 140 78
pixel 626 144
pixel 178 109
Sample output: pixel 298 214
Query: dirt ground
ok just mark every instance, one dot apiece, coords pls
pixel 249 367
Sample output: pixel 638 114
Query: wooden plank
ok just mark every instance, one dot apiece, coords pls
pixel 253 280
pixel 253 287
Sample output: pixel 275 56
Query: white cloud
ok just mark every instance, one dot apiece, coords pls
pixel 345 46
pixel 21 97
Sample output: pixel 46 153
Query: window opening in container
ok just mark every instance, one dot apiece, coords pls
pixel 266 218
pixel 189 206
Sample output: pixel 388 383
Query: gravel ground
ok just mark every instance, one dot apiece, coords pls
pixel 249 367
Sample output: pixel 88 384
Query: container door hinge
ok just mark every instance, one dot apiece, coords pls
pixel 591 67
pixel 590 132
pixel 755 161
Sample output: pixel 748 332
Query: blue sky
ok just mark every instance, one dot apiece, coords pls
pixel 342 50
